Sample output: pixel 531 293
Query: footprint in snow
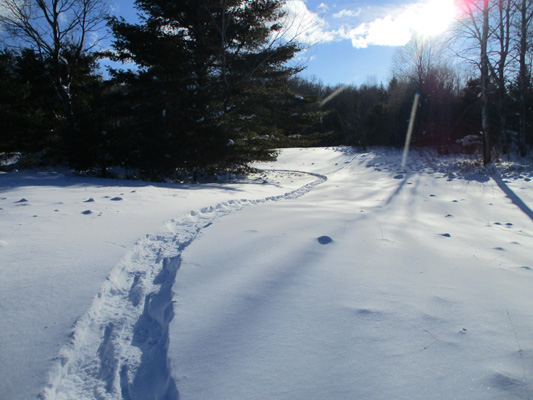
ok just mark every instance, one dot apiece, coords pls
pixel 117 198
pixel 89 200
pixel 445 235
pixel 524 267
pixel 505 382
pixel 22 202
pixel 87 212
pixel 324 240
pixel 400 176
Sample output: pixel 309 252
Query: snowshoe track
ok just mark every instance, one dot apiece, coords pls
pixel 118 348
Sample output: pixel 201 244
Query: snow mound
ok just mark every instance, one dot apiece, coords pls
pixel 324 240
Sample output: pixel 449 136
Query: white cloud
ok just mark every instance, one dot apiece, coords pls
pixel 304 25
pixel 6 11
pixel 397 26
pixel 348 13
pixel 391 26
pixel 322 8
pixel 386 31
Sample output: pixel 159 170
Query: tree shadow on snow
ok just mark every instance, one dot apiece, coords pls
pixel 14 180
pixel 517 201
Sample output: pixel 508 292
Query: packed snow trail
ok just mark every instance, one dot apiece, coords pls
pixel 61 235
pixel 378 284
pixel 119 347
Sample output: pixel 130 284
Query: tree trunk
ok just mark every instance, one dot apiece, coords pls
pixel 523 76
pixel 484 86
pixel 504 9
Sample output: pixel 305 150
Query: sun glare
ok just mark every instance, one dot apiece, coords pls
pixel 433 17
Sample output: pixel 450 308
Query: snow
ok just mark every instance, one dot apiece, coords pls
pixel 356 279
pixel 59 245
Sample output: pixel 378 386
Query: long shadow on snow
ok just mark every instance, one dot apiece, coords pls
pixel 50 179
pixel 517 201
pixel 153 379
pixel 399 188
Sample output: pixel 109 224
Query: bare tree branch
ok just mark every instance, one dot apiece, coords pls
pixel 57 30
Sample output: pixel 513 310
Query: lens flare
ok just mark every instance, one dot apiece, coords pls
pixel 433 17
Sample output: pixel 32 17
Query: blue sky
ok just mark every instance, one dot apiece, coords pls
pixel 352 41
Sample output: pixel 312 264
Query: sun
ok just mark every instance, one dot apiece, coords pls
pixel 433 17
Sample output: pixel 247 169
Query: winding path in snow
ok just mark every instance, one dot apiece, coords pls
pixel 373 285
pixel 119 347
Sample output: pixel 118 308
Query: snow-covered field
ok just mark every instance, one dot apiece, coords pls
pixel 339 275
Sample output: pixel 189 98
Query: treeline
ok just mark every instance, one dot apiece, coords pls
pixel 448 115
pixel 488 108
pixel 462 107
pixel 210 89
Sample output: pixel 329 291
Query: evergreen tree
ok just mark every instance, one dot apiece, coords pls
pixel 211 89
pixel 33 118
pixel 26 109
pixel 83 147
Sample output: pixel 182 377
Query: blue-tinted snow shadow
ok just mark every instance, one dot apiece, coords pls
pixel 517 201
pixel 151 335
pixel 404 177
pixel 14 180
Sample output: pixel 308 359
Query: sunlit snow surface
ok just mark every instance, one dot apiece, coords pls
pixel 361 281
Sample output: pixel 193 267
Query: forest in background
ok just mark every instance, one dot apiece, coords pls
pixel 215 88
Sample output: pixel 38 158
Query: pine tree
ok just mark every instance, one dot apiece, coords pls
pixel 26 110
pixel 210 80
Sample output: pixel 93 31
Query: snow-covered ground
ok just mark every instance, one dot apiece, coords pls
pixel 354 280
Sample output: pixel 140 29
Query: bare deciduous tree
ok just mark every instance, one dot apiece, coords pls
pixel 416 60
pixel 503 21
pixel 59 31
pixel 484 66
pixel 523 28
pixel 474 28
pixel 424 63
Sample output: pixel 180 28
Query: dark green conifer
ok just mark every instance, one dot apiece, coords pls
pixel 210 85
